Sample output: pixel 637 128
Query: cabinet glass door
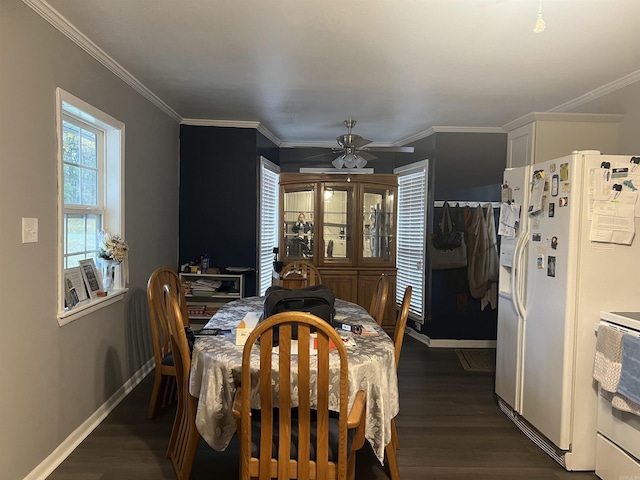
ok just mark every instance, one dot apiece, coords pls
pixel 337 211
pixel 378 227
pixel 298 210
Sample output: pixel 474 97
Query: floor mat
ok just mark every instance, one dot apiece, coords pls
pixel 477 359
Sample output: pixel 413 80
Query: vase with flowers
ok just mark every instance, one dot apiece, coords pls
pixel 112 252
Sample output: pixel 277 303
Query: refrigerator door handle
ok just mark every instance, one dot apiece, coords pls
pixel 516 280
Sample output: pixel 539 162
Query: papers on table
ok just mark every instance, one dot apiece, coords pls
pixel 246 325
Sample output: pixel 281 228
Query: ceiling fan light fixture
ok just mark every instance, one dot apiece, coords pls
pixel 360 162
pixel 338 162
pixel 350 160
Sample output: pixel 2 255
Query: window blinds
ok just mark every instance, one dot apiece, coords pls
pixel 411 242
pixel 268 222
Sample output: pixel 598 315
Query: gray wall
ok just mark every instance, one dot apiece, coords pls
pixel 54 378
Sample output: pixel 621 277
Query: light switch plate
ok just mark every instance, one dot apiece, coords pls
pixel 29 230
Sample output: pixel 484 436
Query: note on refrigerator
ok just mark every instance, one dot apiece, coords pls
pixel 613 219
pixel 535 202
pixel 506 253
pixel 509 218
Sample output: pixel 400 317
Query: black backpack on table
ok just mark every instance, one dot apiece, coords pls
pixel 317 300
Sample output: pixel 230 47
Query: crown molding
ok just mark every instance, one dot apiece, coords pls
pixel 562 117
pixel 204 122
pixel 267 133
pixel 310 145
pixel 444 129
pixel 606 89
pixel 63 25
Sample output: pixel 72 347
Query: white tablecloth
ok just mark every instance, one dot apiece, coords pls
pixel 217 362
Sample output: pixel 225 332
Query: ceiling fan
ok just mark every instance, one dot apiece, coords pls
pixel 354 152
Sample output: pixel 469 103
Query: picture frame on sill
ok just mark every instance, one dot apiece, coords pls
pixel 74 289
pixel 92 278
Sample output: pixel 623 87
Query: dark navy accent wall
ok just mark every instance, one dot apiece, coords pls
pixel 267 149
pixel 465 161
pixel 219 195
pixel 462 166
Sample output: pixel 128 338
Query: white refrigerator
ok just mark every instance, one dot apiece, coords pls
pixel 554 281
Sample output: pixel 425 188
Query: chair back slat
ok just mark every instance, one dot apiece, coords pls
pixel 401 323
pixel 175 324
pixel 379 299
pixel 266 402
pixel 284 399
pixel 322 451
pixel 304 402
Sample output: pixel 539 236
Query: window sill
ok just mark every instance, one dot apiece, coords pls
pixel 89 306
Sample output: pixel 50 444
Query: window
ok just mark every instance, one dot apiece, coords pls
pixel 411 242
pixel 82 167
pixel 268 209
pixel 90 185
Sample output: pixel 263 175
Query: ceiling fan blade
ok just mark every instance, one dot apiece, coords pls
pixel 389 149
pixel 360 142
pixel 326 154
pixel 365 155
pixel 351 140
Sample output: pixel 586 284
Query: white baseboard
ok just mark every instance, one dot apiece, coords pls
pixel 53 461
pixel 450 343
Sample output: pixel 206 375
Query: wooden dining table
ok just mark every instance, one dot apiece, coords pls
pixel 217 363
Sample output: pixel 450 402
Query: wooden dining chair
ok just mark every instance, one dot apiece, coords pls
pixel 379 299
pixel 184 439
pixel 287 437
pixel 299 274
pixel 398 338
pixel 165 372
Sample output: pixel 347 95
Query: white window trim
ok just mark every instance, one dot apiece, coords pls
pixel 417 310
pixel 113 185
pixel 266 164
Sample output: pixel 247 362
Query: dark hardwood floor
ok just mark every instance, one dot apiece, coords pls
pixel 449 426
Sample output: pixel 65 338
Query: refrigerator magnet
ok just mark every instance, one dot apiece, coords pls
pixel 535 237
pixel 552 209
pixel 564 172
pixel 566 187
pixel 540 262
pixel 555 180
pixel 551 267
pixel 619 172
pixel 564 201
pixel 554 242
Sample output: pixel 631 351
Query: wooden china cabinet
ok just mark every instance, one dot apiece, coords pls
pixel 346 225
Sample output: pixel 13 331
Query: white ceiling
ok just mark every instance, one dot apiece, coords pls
pixel 400 67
